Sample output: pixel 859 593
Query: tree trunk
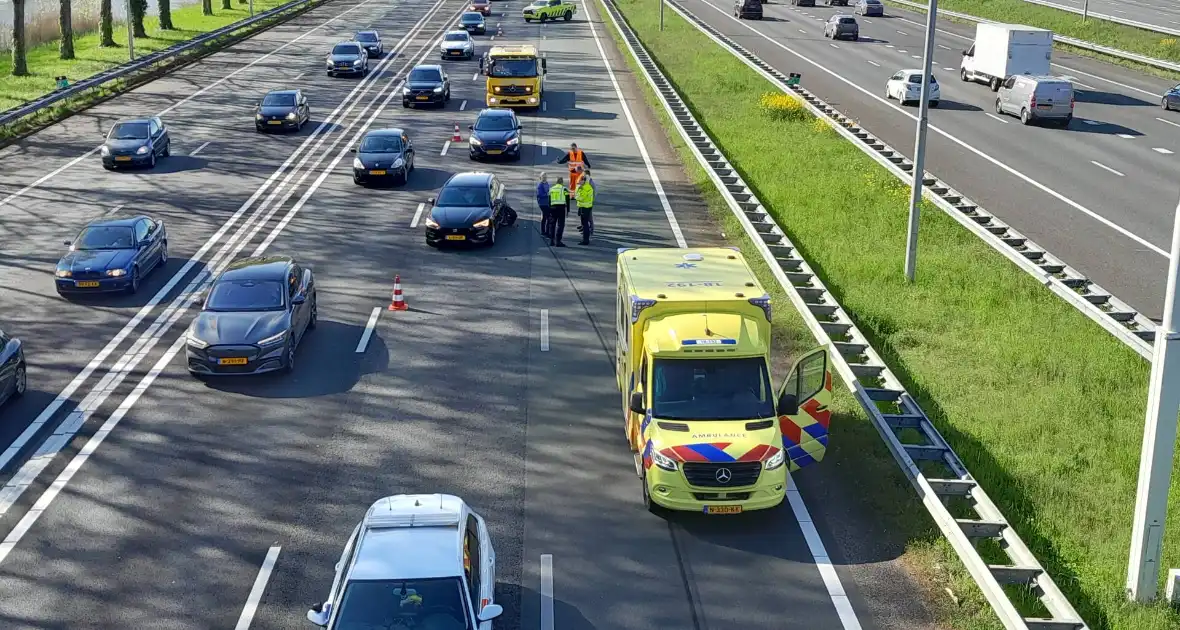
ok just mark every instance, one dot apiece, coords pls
pixel 165 15
pixel 20 65
pixel 138 11
pixel 207 7
pixel 227 4
pixel 106 24
pixel 66 21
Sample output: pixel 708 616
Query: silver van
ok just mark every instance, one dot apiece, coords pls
pixel 1035 98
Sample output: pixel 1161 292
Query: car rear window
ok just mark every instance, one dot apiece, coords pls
pixel 346 49
pixel 917 78
pixel 847 21
pixel 279 100
pixel 245 295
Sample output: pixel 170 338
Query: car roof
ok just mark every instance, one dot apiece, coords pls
pixel 503 113
pixel 126 221
pixel 1043 78
pixel 470 178
pixel 428 66
pixel 470 13
pixel 411 536
pixel 134 120
pixel 258 268
pixel 291 92
pixel 843 15
pixel 392 131
pixel 366 32
pixel 347 41
pixel 457 31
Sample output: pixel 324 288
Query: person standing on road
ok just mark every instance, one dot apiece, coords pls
pixel 576 160
pixel 543 203
pixel 585 198
pixel 558 198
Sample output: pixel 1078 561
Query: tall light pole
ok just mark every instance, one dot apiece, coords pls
pixel 130 33
pixel 911 243
pixel 1159 443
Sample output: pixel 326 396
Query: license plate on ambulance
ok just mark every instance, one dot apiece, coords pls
pixel 723 509
pixel 232 361
pixel 89 284
pixel 456 237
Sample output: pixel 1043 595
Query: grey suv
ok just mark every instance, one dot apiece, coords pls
pixel 842 27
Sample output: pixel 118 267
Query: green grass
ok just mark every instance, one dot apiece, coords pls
pixel 1044 407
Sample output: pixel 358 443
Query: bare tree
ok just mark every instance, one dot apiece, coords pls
pixel 165 15
pixel 207 7
pixel 138 11
pixel 66 21
pixel 106 24
pixel 20 65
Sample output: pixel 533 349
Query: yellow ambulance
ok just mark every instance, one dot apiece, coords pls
pixel 708 430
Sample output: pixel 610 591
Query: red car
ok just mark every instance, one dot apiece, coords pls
pixel 482 6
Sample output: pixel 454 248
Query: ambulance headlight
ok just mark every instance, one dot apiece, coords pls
pixel 665 462
pixel 775 461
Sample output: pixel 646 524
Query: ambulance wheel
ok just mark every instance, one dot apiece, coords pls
pixel 651 506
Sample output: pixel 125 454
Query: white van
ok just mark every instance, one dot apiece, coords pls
pixel 1036 98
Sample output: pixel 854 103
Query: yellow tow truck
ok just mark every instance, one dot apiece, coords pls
pixel 708 431
pixel 515 76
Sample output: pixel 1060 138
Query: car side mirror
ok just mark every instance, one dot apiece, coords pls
pixel 470 127
pixel 319 614
pixel 788 405
pixel 68 243
pixel 430 201
pixel 966 54
pixel 352 150
pixel 299 298
pixel 490 612
pixel 544 63
pixel 519 127
pixel 636 405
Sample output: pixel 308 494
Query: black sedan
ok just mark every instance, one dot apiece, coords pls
pixel 426 85
pixel 136 142
pixel 469 209
pixel 111 255
pixel 371 40
pixel 347 58
pixel 384 154
pixel 473 22
pixel 282 109
pixel 496 133
pixel 254 317
pixel 13 371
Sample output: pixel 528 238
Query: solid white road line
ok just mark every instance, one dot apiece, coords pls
pixel 446 145
pixel 417 215
pixel 1125 136
pixel 901 33
pixel 1161 150
pixel 651 169
pixel 544 147
pixel 546 591
pixel 544 330
pixel 873 62
pixel 369 326
pixel 996 117
pixel 463 105
pixel 268 565
pixel 949 69
pixel 943 47
pixel 823 562
pixel 1173 123
pixel 1103 166
pixel 833 45
pixel 114 210
pixel 198 149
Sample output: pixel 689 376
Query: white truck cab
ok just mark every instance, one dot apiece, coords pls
pixel 415 560
pixel 1002 50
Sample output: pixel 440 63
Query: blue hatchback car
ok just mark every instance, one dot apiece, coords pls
pixel 112 255
pixel 1171 99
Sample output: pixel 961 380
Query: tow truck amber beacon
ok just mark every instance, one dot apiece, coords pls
pixel 693 350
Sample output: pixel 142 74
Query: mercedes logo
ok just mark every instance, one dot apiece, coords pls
pixel 723 475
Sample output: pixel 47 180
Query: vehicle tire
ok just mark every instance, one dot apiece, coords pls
pixel 289 361
pixel 152 161
pixel 527 20
pixel 406 104
pixel 963 75
pixel 168 149
pixel 330 73
pixel 315 314
pixel 569 15
pixel 133 288
pixel 22 380
pixel 163 255
pixel 651 506
pixel 1065 121
pixel 994 85
pixel 1164 104
pixel 934 103
pixel 1025 117
pixel 109 167
pixel 999 108
pixel 888 95
pixel 447 98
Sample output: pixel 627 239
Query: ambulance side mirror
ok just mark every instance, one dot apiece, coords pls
pixel 637 403
pixel 788 405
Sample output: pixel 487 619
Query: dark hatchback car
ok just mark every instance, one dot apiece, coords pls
pixel 426 85
pixel 282 109
pixel 137 142
pixel 1171 99
pixel 254 317
pixel 383 155
pixel 474 23
pixel 112 255
pixel 469 209
pixel 347 58
pixel 748 9
pixel 842 27
pixel 371 40
pixel 14 379
pixel 496 133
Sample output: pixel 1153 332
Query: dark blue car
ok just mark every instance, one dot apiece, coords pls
pixel 112 255
pixel 137 142
pixel 496 134
pixel 1171 99
pixel 13 371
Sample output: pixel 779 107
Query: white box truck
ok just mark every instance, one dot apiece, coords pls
pixel 1002 50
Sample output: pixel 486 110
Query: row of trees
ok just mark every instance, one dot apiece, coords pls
pixel 138 10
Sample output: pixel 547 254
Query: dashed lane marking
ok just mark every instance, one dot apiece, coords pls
pixel 114 210
pixel 446 146
pixel 1106 168
pixel 198 149
pixel 418 215
pixel 873 62
pixel 996 117
pixel 255 597
pixel 544 330
pixel 1125 136
pixel 369 326
pixel 1161 150
pixel 1169 122
pixel 463 106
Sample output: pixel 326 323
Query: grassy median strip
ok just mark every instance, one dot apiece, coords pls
pixel 1044 407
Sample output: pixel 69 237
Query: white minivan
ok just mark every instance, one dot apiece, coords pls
pixel 1036 98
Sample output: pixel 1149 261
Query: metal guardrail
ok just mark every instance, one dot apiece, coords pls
pixel 1109 18
pixel 1076 43
pixel 20 111
pixel 893 412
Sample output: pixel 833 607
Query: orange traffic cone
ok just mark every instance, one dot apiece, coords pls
pixel 456 137
pixel 399 301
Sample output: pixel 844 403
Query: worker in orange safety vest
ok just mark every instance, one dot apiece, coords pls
pixel 576 160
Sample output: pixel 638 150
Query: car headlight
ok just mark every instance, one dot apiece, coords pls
pixel 115 273
pixel 482 224
pixel 496 89
pixel 142 150
pixel 357 163
pixel 663 461
pixel 398 163
pixel 512 141
pixel 105 151
pixel 291 116
pixel 356 62
pixel 775 460
pixel 273 339
pixel 328 62
pixel 258 116
pixel 63 273
pixel 431 223
pixel 438 90
pixel 473 140
pixel 195 341
pixel 406 90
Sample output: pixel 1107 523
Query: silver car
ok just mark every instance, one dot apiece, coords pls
pixel 457 45
pixel 842 27
pixel 348 58
pixel 869 8
pixel 1036 98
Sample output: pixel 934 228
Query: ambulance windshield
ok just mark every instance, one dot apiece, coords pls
pixel 516 68
pixel 711 389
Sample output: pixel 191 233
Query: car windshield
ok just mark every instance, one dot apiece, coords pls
pixel 437 604
pixel 279 100
pixel 425 76
pixel 346 49
pixel 246 295
pixel 470 196
pixel 456 37
pixel 366 37
pixel 711 389
pixel 381 144
pixel 514 68
pixel 471 18
pixel 105 237
pixel 130 131
pixel 494 123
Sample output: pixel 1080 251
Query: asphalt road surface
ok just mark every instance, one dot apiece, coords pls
pixel 137 496
pixel 1162 13
pixel 1100 194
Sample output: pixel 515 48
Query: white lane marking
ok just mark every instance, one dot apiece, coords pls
pixel 873 62
pixel 1090 122
pixel 544 106
pixel 299 76
pixel 949 69
pixel 823 562
pixel 546 591
pixel 251 608
pixel 997 163
pixel 651 169
pixel 868 21
pixel 1169 122
pixel 198 149
pixel 369 326
pixel 996 117
pixel 544 330
pixel 114 210
pixel 1105 167
pixel 544 147
pixel 943 47
pixel 1125 136
pixel 916 56
pixel 446 145
pixel 1079 83
pixel 475 77
pixel 54 173
pixel 889 45
pixel 902 51
pixel 463 105
pixel 903 32
pixel 1161 150
pixel 833 45
pixel 802 31
pixel 417 215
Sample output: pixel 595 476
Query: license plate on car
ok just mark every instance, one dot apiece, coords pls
pixel 89 284
pixel 423 98
pixel 1044 107
pixel 723 509
pixel 232 361
pixel 456 52
pixel 494 151
pixel 456 237
pixel 123 158
pixel 274 122
pixel 376 172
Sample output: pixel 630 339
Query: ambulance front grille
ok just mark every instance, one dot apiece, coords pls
pixel 706 475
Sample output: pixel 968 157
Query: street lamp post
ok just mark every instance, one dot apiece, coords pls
pixel 919 173
pixel 1159 442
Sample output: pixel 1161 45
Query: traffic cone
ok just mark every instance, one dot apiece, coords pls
pixel 456 138
pixel 399 301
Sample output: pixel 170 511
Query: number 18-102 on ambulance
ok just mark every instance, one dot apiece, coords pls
pixel 708 430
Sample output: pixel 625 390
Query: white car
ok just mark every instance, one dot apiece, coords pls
pixel 457 45
pixel 906 87
pixel 415 561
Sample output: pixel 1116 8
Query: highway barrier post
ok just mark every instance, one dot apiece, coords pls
pixel 919 172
